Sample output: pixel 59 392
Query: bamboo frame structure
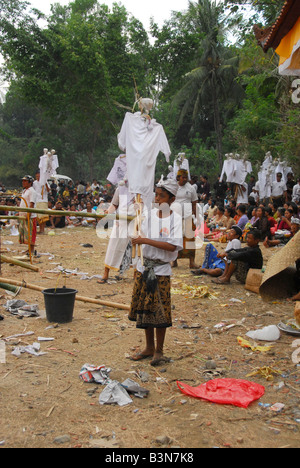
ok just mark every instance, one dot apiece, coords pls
pixel 79 214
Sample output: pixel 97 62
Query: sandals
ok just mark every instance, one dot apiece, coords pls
pixel 102 281
pixel 140 357
pixel 159 361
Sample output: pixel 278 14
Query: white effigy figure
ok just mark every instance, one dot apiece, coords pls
pixel 118 253
pixel 181 162
pixel 235 169
pixel 142 138
pixel 48 165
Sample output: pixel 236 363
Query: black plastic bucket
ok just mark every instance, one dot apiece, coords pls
pixel 59 304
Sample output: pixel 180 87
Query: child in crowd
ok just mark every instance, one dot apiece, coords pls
pixel 215 263
pixel 242 260
pixel 151 299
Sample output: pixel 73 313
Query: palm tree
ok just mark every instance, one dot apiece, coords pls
pixel 213 80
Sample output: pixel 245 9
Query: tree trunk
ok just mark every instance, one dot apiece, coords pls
pixel 91 154
pixel 218 125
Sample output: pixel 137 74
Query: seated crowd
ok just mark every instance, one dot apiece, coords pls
pixel 272 224
pixel 258 222
pixel 79 197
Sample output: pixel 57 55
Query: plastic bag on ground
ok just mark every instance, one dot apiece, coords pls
pixel 270 333
pixel 234 392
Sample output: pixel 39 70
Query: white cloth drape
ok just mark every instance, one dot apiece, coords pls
pixel 142 140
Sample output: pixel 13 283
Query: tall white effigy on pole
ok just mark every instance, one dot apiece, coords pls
pixel 48 165
pixel 142 139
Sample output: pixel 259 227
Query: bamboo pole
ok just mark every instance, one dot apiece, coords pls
pixel 9 287
pixel 25 285
pixel 76 214
pixel 29 230
pixel 18 263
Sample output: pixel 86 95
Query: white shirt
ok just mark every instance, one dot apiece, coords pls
pixel 254 195
pixel 235 244
pixel 242 198
pixel 186 195
pixel 42 195
pixel 30 196
pixel 167 230
pixel 296 193
pixel 278 188
pixel 142 140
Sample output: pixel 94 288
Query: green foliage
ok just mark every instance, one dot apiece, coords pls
pixel 72 80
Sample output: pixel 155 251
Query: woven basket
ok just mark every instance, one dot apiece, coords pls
pixel 278 280
pixel 254 280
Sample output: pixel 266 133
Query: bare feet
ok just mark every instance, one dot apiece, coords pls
pixel 296 298
pixel 221 280
pixel 146 354
pixel 140 357
pixel 159 359
pixel 102 281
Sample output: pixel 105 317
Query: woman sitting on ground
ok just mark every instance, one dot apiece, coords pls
pixel 228 222
pixel 271 219
pixel 262 223
pixel 285 223
pixel 210 210
pixel 295 228
pixel 243 218
pixel 73 220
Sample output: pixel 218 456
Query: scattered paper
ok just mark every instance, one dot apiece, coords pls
pixel 114 393
pixel 33 349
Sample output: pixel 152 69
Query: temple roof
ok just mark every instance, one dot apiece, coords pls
pixel 272 36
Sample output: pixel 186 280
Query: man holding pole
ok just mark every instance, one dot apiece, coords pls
pixel 27 226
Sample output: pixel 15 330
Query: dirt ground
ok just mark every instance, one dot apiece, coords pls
pixel 43 399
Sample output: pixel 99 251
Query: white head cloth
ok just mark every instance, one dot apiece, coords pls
pixel 168 184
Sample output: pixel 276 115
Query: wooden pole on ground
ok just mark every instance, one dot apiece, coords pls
pixel 14 261
pixel 25 285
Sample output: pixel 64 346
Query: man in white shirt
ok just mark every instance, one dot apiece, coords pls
pixel 296 192
pixel 41 201
pixel 27 226
pixel 186 205
pixel 242 198
pixel 279 190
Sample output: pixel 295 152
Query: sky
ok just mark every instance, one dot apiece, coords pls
pixel 143 10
